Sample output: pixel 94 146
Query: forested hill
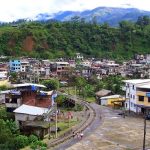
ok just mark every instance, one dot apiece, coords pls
pixel 64 39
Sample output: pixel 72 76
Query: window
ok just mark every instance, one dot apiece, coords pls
pixel 133 87
pixel 141 98
pixel 149 99
pixel 133 96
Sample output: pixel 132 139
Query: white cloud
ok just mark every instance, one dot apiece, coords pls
pixel 15 9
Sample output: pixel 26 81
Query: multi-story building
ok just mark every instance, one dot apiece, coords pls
pixel 137 94
pixel 15 65
pixel 24 66
pixel 29 94
pixel 60 68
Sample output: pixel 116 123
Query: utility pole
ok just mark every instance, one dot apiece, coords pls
pixel 144 137
pixel 49 127
pixel 75 97
pixel 56 121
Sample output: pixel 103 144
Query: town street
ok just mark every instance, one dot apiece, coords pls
pixel 113 132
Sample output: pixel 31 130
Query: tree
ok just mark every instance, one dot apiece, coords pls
pixel 51 84
pixel 12 126
pixel 6 137
pixel 114 83
pixel 80 82
pixel 88 90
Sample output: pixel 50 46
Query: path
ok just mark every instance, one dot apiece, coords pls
pixel 89 130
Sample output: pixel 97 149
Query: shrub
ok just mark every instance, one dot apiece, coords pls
pixel 38 145
pixel 21 141
pixel 33 138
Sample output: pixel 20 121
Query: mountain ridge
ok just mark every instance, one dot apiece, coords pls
pixel 101 15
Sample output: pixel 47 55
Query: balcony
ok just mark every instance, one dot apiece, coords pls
pixel 141 93
pixel 11 105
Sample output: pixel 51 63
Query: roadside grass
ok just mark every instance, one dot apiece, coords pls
pixel 91 99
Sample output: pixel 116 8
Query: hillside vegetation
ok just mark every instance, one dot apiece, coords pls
pixel 63 39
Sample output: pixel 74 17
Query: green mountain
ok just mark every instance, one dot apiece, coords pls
pixel 63 39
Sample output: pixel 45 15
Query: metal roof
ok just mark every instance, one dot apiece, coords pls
pixel 111 96
pixel 31 110
pixel 28 84
pixel 145 86
pixel 137 81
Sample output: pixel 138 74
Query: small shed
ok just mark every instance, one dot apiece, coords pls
pixel 113 100
pixel 102 93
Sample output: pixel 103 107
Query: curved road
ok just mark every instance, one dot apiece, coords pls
pixel 86 132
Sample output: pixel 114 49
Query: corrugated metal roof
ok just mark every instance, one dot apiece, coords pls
pixel 31 110
pixel 28 84
pixel 145 86
pixel 111 96
pixel 137 81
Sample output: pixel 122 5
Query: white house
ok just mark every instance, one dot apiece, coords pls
pixel 28 113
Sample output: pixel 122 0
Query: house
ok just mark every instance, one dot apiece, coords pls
pixel 112 100
pixel 137 94
pixel 28 113
pixel 60 68
pixel 29 94
pixel 79 56
pixel 24 66
pixel 102 93
pixel 31 120
pixel 15 65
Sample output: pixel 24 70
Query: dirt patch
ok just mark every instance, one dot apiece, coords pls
pixel 28 44
pixel 11 43
pixel 45 45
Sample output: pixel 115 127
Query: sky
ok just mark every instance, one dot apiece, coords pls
pixel 11 10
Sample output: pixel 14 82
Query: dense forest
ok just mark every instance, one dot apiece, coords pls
pixel 53 39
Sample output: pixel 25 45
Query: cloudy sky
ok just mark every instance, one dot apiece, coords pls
pixel 15 9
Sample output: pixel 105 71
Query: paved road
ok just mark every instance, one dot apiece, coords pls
pixel 115 133
pixel 87 131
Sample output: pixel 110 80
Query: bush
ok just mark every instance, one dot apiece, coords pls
pixel 38 145
pixel 78 107
pixel 21 141
pixel 33 138
pixel 60 100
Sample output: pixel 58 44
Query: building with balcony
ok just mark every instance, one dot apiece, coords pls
pixel 137 92
pixel 29 94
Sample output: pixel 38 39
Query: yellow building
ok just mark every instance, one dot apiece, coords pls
pixel 112 100
pixel 143 96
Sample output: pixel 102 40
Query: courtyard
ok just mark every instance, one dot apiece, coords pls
pixel 115 133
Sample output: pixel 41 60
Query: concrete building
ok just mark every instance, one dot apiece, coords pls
pixel 15 65
pixel 29 94
pixel 135 89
